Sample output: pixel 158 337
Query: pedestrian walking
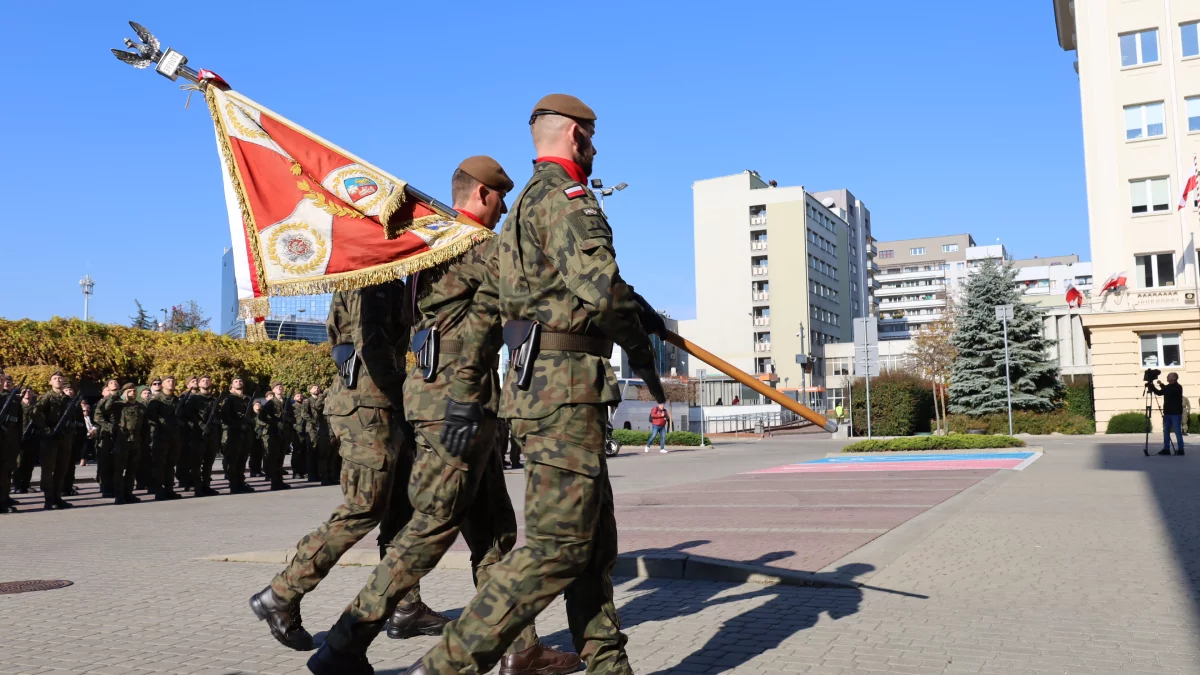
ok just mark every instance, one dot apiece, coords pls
pixel 660 417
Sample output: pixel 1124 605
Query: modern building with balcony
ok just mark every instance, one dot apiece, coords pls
pixel 780 271
pixel 1138 63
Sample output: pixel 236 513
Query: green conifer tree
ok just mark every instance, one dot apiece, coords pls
pixel 142 319
pixel 977 385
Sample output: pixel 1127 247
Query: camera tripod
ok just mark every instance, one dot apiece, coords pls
pixel 1151 403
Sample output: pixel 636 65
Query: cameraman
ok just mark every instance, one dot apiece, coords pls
pixel 1172 408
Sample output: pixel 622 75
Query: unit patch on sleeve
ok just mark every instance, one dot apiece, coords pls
pixel 575 191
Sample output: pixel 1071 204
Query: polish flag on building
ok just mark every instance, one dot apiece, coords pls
pixel 307 217
pixel 1191 185
pixel 1074 296
pixel 1115 283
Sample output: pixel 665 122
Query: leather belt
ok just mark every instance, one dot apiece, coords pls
pixel 446 346
pixel 574 342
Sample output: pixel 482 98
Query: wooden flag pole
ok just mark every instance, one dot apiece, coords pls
pixel 771 393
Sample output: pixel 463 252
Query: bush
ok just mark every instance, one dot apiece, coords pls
pixel 901 405
pixel 949 442
pixel 632 437
pixel 1025 422
pixel 1080 402
pixel 1194 423
pixel 1127 423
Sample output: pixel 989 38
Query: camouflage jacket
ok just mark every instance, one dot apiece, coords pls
pixel 314 413
pixel 108 413
pixel 133 421
pixel 196 411
pixel 449 297
pixel 75 426
pixel 557 266
pixel 50 408
pixel 29 420
pixel 271 416
pixel 232 413
pixel 369 319
pixel 299 413
pixel 161 412
pixel 14 417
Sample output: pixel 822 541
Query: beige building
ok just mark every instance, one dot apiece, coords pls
pixel 780 271
pixel 1139 80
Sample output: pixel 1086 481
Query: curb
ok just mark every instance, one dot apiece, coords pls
pixel 907 453
pixel 678 566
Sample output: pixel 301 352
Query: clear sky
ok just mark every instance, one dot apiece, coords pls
pixel 943 117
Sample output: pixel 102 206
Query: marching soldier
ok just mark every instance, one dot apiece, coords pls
pixel 56 443
pixel 233 441
pixel 205 437
pixel 106 420
pixel 11 425
pixel 130 430
pixel 164 418
pixel 300 423
pixel 561 293
pixel 364 406
pixel 457 479
pixel 30 445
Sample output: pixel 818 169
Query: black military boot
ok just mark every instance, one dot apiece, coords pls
pixel 417 620
pixel 329 661
pixel 282 618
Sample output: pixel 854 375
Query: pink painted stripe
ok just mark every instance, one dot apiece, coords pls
pixel 938 465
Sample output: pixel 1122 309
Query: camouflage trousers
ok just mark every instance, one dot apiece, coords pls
pixel 276 448
pixel 202 458
pixel 125 458
pixel 56 455
pixel 571 548
pixel 448 494
pixel 164 453
pixel 78 441
pixel 233 462
pixel 378 458
pixel 104 456
pixel 299 454
pixel 10 449
pixel 258 448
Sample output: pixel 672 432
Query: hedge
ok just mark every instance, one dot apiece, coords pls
pixel 633 437
pixel 1079 400
pixel 90 352
pixel 1127 423
pixel 901 405
pixel 949 442
pixel 1025 422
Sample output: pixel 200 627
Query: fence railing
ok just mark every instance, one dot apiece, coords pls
pixel 730 424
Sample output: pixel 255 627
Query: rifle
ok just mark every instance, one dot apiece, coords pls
pixel 9 399
pixel 249 406
pixel 213 411
pixel 71 404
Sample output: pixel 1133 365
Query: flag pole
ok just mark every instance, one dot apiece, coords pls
pixel 737 374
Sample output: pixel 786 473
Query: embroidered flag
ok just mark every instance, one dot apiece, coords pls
pixel 574 191
pixel 307 217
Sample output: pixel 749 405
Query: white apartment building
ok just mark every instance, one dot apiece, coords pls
pixel 1139 81
pixel 780 271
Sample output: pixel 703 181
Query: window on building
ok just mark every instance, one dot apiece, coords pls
pixel 1083 281
pixel 949 248
pixel 1144 121
pixel 917 251
pixel 1193 113
pixel 960 265
pixel 1161 349
pixel 840 366
pixel 1139 48
pixel 1149 195
pixel 1190 39
pixel 1155 270
pixel 890 253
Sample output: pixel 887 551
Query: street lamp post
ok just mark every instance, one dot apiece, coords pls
pixel 700 400
pixel 598 185
pixel 86 284
pixel 1004 313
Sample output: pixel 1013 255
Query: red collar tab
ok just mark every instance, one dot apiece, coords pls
pixel 467 214
pixel 571 168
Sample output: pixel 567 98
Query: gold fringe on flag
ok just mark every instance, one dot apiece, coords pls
pixel 256 331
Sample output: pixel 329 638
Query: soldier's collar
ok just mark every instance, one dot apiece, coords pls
pixel 573 170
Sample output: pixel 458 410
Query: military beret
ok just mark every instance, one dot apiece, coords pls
pixel 487 171
pixel 128 386
pixel 157 380
pixel 57 373
pixel 276 384
pixel 563 104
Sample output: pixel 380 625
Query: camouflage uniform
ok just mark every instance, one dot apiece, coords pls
pixel 274 415
pixel 164 419
pixel 30 446
pixel 300 448
pixel 11 426
pixel 448 492
pixel 322 463
pixel 204 444
pixel 106 416
pixel 373 441
pixel 130 431
pixel 233 441
pixel 56 448
pixel 259 449
pixel 558 266
pixel 76 432
pixel 145 465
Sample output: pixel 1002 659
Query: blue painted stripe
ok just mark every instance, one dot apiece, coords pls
pixel 865 459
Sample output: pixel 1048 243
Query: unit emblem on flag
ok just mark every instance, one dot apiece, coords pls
pixel 360 187
pixel 297 247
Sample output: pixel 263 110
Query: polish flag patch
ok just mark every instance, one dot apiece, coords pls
pixel 574 191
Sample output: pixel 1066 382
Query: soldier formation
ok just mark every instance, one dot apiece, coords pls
pixel 154 441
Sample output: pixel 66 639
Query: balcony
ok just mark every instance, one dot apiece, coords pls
pixel 870 250
pixel 885 317
pixel 758 245
pixel 758 270
pixel 885 291
pixel 762 321
pixel 911 304
pixel 762 346
pixel 872 265
pixel 760 296
pixel 758 220
pixel 910 276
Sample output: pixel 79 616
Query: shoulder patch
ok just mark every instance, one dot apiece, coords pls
pixel 575 191
pixel 590 212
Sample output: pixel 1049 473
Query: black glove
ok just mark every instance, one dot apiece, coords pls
pixel 459 428
pixel 643 366
pixel 652 321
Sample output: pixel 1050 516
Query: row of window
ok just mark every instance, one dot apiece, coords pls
pixel 822 243
pixel 819 314
pixel 843 366
pixel 823 267
pixel 1150 195
pixel 1141 48
pixel 821 290
pixel 1146 120
pixel 821 219
pixel 946 248
pixel 913 284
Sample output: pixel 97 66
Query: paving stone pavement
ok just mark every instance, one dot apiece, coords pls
pixel 1086 562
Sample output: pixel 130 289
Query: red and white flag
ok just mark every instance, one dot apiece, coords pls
pixel 1074 296
pixel 1192 182
pixel 1115 283
pixel 307 217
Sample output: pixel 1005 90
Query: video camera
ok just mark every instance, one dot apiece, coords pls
pixel 1151 375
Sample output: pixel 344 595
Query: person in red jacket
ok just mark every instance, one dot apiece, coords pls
pixel 659 418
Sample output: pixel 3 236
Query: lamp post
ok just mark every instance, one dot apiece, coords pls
pixel 281 324
pixel 86 284
pixel 700 400
pixel 598 185
pixel 1004 313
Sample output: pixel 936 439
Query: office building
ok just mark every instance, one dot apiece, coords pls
pixel 1139 80
pixel 300 317
pixel 780 271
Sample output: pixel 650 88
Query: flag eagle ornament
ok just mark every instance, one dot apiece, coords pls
pixel 307 217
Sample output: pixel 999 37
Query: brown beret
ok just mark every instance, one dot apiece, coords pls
pixel 128 386
pixel 487 171
pixel 57 373
pixel 563 104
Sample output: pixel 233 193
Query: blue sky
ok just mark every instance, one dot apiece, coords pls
pixel 944 117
